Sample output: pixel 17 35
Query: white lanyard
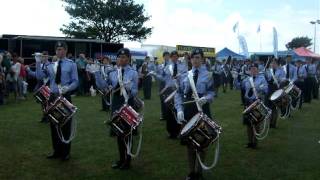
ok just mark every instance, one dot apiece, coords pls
pixel 253 87
pixel 194 90
pixel 121 84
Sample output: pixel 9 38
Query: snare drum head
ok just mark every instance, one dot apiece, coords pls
pixel 193 121
pixel 276 95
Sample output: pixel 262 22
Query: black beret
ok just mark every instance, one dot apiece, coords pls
pixel 61 44
pixel 174 53
pixel 254 65
pixel 124 51
pixel 197 51
pixel 165 53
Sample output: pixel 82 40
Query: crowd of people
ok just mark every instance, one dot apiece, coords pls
pixel 12 77
pixel 187 86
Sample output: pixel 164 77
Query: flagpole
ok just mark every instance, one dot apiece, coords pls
pixel 238 37
pixel 260 42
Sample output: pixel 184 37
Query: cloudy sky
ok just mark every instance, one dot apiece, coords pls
pixel 189 22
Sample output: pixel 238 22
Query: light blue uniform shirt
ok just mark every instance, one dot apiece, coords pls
pixel 69 74
pixel 311 69
pixel 204 87
pixel 279 74
pixel 130 80
pixel 292 72
pixel 260 84
pixel 301 73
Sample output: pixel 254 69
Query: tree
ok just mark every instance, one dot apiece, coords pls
pixel 108 20
pixel 299 42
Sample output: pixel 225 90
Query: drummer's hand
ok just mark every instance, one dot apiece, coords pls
pixel 27 67
pixel 180 117
pixel 202 101
pixel 64 89
pixel 37 57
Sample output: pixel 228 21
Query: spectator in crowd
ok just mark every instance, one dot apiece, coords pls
pixel 12 78
pixel 81 64
pixel 6 62
pixel 22 84
pixel 70 56
pixel 2 81
pixel 91 68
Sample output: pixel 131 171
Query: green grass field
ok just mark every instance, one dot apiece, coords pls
pixel 290 152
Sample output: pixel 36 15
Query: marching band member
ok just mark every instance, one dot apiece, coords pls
pixel 177 72
pixel 226 75
pixel 300 81
pixel 309 81
pixel 244 72
pixel 146 71
pixel 275 77
pixel 204 87
pixel 256 87
pixel 290 70
pixel 127 92
pixel 63 78
pixel 162 82
pixel 105 69
pixel 216 73
pixel 170 75
pixel 40 82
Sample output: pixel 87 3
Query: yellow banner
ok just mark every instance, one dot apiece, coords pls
pixel 207 51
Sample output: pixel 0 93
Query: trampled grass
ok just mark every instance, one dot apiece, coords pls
pixel 290 152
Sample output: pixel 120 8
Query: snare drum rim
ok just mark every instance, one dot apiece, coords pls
pixel 184 132
pixel 277 93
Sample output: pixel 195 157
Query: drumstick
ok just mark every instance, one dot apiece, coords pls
pixel 189 102
pixel 113 91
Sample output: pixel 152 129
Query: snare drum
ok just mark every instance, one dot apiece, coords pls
pixel 125 121
pixel 293 91
pixel 138 104
pixel 105 95
pixel 167 95
pixel 61 111
pixel 42 95
pixel 200 131
pixel 280 98
pixel 257 112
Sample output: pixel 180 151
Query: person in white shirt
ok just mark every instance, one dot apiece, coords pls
pixel 91 68
pixel 12 78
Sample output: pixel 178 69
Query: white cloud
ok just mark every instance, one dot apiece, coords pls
pixel 172 24
pixel 186 26
pixel 32 17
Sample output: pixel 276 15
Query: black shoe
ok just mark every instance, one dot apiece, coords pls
pixel 172 137
pixel 273 126
pixel 249 145
pixel 254 145
pixel 65 158
pixel 191 176
pixel 53 156
pixel 125 166
pixel 116 165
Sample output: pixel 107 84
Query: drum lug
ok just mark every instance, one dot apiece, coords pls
pixel 195 142
pixel 204 134
pixel 54 119
pixel 117 127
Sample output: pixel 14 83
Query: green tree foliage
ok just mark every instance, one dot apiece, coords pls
pixel 109 20
pixel 299 42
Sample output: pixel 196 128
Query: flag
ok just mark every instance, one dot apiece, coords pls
pixel 259 29
pixel 243 45
pixel 235 27
pixel 275 42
